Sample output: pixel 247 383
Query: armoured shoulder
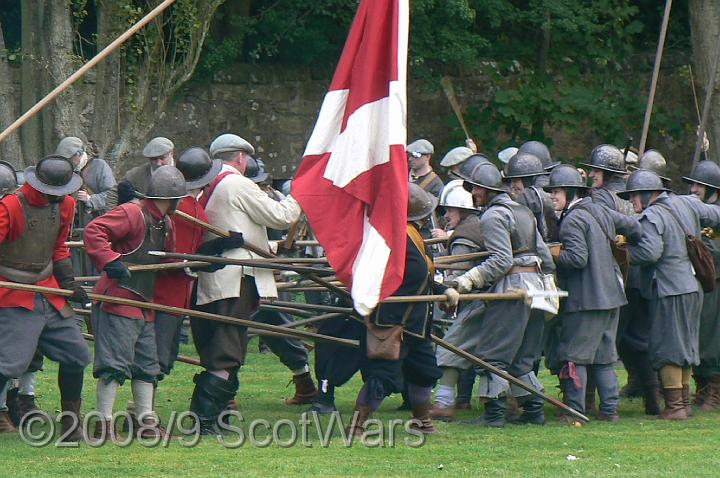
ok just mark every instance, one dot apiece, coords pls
pixel 469 231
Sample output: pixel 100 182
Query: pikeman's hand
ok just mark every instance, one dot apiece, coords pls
pixel 555 252
pixel 215 247
pixel 453 297
pixel 79 295
pixel 117 270
pixel 438 234
pixel 210 268
pixel 466 282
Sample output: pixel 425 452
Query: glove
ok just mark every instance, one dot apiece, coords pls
pixel 79 295
pixel 235 240
pixel 470 280
pixel 209 268
pixel 452 299
pixel 63 272
pixel 117 270
pixel 125 192
pixel 215 247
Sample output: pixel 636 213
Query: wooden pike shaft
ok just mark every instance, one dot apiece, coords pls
pixel 504 375
pixel 85 68
pixel 653 81
pixel 317 307
pixel 259 263
pixel 395 299
pixel 180 311
pixel 257 250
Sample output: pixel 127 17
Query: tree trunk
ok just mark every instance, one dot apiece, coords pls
pixel 62 114
pixel 106 114
pixel 705 34
pixel 31 133
pixel 10 148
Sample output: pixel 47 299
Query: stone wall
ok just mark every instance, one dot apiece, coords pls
pixel 275 108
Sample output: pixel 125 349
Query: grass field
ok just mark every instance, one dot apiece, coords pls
pixel 637 446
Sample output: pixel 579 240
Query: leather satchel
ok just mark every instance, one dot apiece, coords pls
pixel 700 256
pixel 385 343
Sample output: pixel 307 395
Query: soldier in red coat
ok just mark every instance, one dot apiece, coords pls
pixel 35 222
pixel 124 335
pixel 174 287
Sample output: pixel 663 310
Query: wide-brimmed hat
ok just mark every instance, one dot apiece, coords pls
pixel 53 175
pixel 197 167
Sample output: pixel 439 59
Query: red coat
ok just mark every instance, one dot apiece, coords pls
pixel 12 225
pixel 174 288
pixel 118 232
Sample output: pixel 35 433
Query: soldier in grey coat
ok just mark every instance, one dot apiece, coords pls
pixel 705 184
pixel 540 151
pixel 523 171
pixel 607 171
pixel 158 152
pixel 667 280
pixel 462 217
pixel 589 273
pixel 518 257
pixel 98 178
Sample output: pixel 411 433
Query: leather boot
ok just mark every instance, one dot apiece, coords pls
pixel 651 400
pixel 494 416
pixel 533 411
pixel 24 405
pixel 422 413
pixel 104 431
pixel 6 425
pixel 686 400
pixel 513 409
pixel 305 390
pixel 712 397
pixel 210 397
pixel 70 428
pixel 674 406
pixel 702 389
pixel 150 428
pixel 357 424
pixel 590 398
pixel 633 388
pixel 444 414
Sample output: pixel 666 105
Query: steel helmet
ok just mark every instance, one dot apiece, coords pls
pixel 454 195
pixel 642 180
pixel 167 182
pixel 608 158
pixel 420 203
pixel 540 151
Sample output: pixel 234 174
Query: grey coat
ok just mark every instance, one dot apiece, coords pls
pixel 661 252
pixel 497 223
pixel 605 196
pixel 586 266
pixel 98 176
pixel 539 202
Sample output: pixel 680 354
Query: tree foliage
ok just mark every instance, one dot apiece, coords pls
pixel 562 63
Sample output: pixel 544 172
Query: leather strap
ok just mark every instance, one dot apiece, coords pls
pixel 205 196
pixel 428 179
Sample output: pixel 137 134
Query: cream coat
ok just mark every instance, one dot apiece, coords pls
pixel 238 204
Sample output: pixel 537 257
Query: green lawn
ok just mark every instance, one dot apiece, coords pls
pixel 637 446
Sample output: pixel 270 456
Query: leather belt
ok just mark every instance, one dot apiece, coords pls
pixel 519 269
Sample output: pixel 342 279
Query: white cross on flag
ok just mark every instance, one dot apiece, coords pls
pixel 352 182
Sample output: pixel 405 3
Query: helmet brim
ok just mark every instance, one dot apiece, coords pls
pixel 204 180
pixel 690 180
pixel 549 188
pixel 664 178
pixel 424 214
pixel 604 168
pixel 626 194
pixel 73 185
